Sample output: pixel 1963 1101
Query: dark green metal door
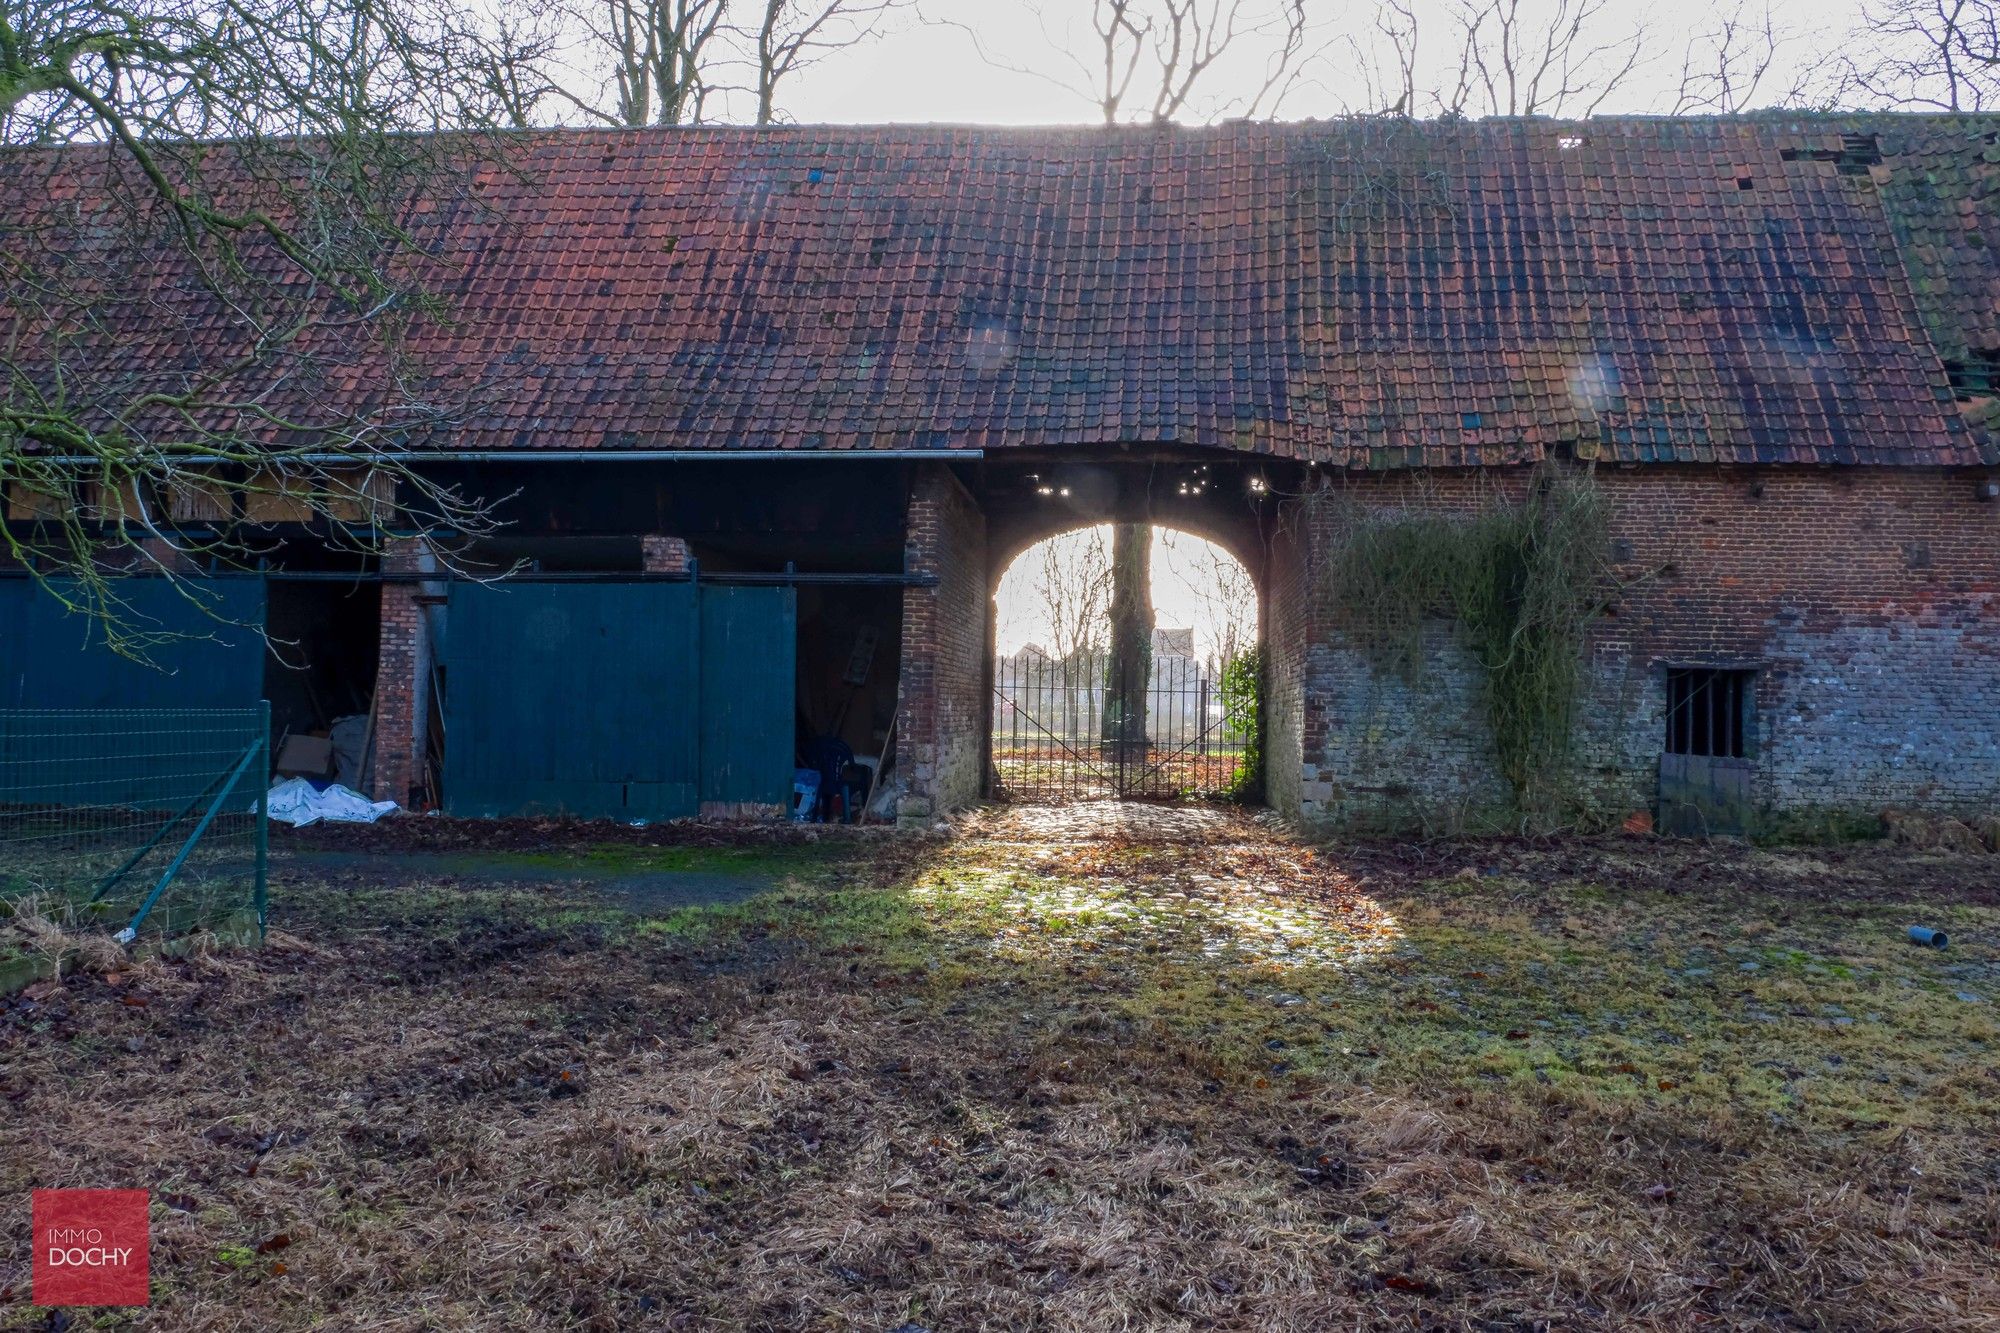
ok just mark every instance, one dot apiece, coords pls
pixel 602 700
pixel 210 653
pixel 571 698
pixel 749 645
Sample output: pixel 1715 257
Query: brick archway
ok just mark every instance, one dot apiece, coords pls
pixel 966 524
pixel 1058 729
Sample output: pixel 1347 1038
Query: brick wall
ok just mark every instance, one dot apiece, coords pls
pixel 664 555
pixel 1287 622
pixel 943 695
pixel 1867 600
pixel 402 674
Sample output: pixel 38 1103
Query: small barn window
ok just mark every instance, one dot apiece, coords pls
pixel 1708 712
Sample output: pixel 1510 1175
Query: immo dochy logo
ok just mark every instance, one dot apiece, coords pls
pixel 91 1247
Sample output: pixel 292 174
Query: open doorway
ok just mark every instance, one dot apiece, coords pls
pixel 1094 699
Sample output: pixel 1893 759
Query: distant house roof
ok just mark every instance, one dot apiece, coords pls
pixel 1363 293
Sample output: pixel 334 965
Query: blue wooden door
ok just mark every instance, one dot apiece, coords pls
pixel 206 648
pixel 749 646
pixel 634 700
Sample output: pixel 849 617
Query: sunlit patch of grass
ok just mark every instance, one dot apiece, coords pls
pixel 1828 1019
pixel 1228 921
pixel 1582 989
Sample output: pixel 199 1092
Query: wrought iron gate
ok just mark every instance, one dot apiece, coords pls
pixel 1049 733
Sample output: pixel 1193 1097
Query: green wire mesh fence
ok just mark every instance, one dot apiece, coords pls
pixel 143 823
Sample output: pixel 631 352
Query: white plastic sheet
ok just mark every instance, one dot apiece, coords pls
pixel 296 803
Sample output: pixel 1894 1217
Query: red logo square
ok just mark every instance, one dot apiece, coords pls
pixel 91 1247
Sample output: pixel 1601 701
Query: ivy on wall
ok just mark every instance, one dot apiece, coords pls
pixel 1241 693
pixel 1521 578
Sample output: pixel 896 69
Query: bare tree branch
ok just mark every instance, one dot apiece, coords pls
pixel 791 35
pixel 241 192
pixel 1512 58
pixel 656 59
pixel 1938 55
pixel 1167 60
pixel 1726 68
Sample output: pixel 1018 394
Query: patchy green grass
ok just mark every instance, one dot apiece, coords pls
pixel 1092 1071
pixel 1830 1019
pixel 772 860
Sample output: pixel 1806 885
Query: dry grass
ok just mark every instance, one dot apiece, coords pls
pixel 1083 1072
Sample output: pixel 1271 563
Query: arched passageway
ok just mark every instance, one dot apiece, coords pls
pixel 1062 730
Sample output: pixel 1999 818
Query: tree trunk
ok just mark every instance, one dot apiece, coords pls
pixel 1131 663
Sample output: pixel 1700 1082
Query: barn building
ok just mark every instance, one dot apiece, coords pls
pixel 767 412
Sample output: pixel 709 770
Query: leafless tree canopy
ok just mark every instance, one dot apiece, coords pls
pixel 1072 591
pixel 1503 58
pixel 1224 591
pixel 794 34
pixel 659 59
pixel 1925 55
pixel 1168 60
pixel 289 255
pixel 686 62
pixel 1731 65
pixel 1165 50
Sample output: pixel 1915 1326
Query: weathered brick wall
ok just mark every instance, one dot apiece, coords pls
pixel 1287 618
pixel 943 694
pixel 1867 600
pixel 659 554
pixel 402 675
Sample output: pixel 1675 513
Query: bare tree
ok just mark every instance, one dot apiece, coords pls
pixel 1163 60
pixel 1069 596
pixel 516 72
pixel 658 59
pixel 1176 44
pixel 1397 88
pixel 1939 55
pixel 1510 58
pixel 1072 593
pixel 1224 591
pixel 204 300
pixel 793 34
pixel 1727 67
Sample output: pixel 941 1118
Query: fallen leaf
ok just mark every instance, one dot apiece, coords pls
pixel 273 1244
pixel 1403 1282
pixel 1518 1034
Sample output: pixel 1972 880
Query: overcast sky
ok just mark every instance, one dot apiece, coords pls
pixel 928 67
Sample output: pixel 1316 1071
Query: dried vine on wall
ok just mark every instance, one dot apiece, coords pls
pixel 1522 579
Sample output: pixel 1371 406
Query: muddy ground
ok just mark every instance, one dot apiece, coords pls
pixel 1104 1067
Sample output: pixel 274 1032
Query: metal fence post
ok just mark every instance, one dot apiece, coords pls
pixel 263 816
pixel 104 810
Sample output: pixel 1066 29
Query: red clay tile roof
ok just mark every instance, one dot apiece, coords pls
pixel 1941 188
pixel 1366 293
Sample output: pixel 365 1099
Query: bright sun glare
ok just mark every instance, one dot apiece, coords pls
pixel 1196 585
